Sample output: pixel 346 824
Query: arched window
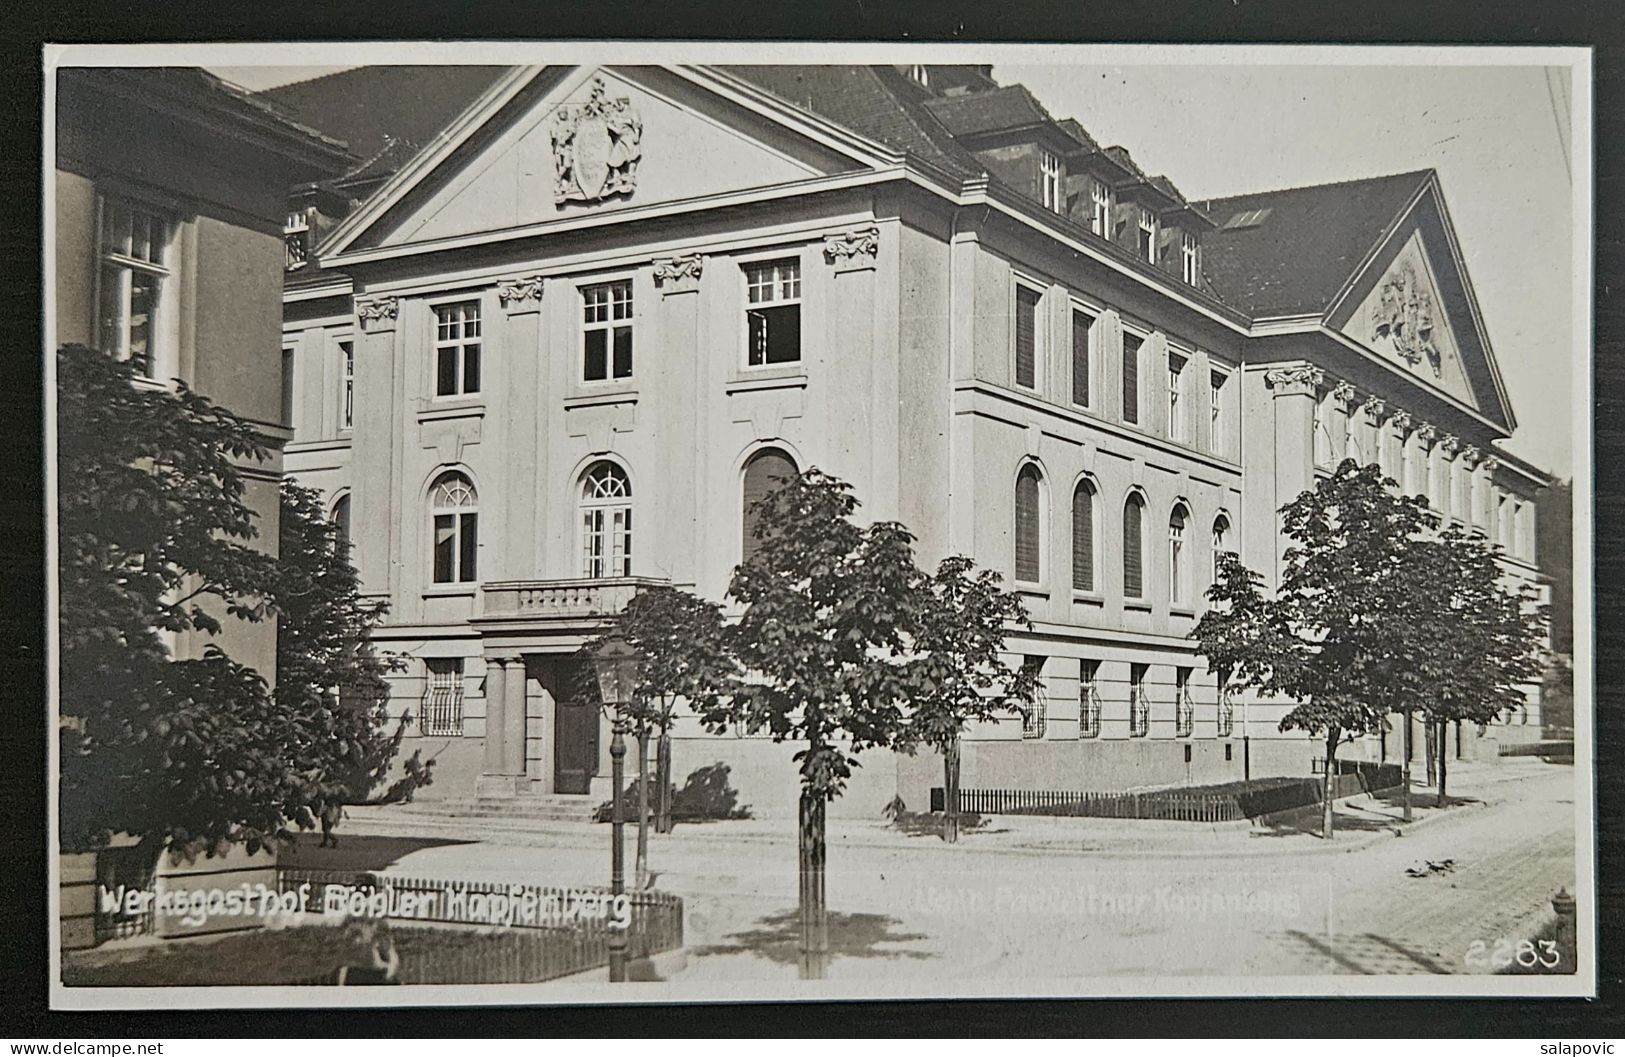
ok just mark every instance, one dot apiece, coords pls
pixel 455 507
pixel 1083 537
pixel 764 471
pixel 1134 547
pixel 1178 560
pixel 1221 542
pixel 341 517
pixel 1029 525
pixel 606 522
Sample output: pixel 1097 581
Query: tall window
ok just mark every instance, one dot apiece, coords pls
pixel 346 385
pixel 443 698
pixel 1322 430
pixel 606 331
pixel 132 280
pixel 606 522
pixel 1134 546
pixel 1049 179
pixel 341 518
pixel 1148 235
pixel 1026 337
pixel 1100 209
pixel 1227 711
pixel 1131 378
pixel 1139 706
pixel 773 314
pixel 1029 527
pixel 1189 258
pixel 1184 707
pixel 457 349
pixel 1178 559
pixel 1215 409
pixel 1035 719
pixel 1176 396
pixel 1083 537
pixel 456 513
pixel 1221 542
pixel 1088 699
pixel 1083 325
pixel 287 387
pixel 766 470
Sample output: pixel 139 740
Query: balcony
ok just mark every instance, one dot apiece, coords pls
pixel 563 600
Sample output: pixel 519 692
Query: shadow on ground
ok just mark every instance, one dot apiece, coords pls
pixel 1366 955
pixel 776 938
pixel 356 851
pixel 1307 820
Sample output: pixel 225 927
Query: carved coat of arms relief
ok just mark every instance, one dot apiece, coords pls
pixel 596 147
pixel 1403 316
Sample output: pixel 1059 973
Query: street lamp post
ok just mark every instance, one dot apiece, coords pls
pixel 616 664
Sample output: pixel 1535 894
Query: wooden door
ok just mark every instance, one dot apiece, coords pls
pixel 575 746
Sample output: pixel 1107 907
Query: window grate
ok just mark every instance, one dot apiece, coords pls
pixel 1184 708
pixel 443 700
pixel 1088 703
pixel 1035 720
pixel 1227 714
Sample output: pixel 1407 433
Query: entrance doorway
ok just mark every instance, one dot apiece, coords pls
pixel 575 730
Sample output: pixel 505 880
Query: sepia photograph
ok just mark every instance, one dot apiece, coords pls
pixel 602 523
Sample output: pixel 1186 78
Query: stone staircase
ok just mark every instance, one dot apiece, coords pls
pixel 556 807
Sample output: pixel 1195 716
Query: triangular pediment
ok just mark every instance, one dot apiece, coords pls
pixel 575 142
pixel 1412 305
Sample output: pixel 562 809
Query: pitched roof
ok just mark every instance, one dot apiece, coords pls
pixel 873 101
pixel 1296 257
pixel 384 113
pixel 992 111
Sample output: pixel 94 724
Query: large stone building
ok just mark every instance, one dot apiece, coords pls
pixel 563 325
pixel 169 202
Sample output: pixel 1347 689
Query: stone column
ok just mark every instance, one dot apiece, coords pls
pixel 1373 413
pixel 520 364
pixel 1399 427
pixel 1447 448
pixel 496 706
pixel 1346 401
pixel 373 517
pixel 1294 389
pixel 513 755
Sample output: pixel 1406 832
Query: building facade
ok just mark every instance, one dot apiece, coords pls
pixel 549 359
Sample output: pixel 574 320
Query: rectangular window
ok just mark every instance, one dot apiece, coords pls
pixel 457 349
pixel 1049 178
pixel 1227 713
pixel 1176 396
pixel 456 542
pixel 287 388
pixel 1139 706
pixel 1026 337
pixel 1088 699
pixel 773 312
pixel 1190 258
pixel 606 331
pixel 1184 708
pixel 1100 216
pixel 1131 378
pixel 443 698
pixel 132 283
pixel 1083 325
pixel 1215 410
pixel 1148 235
pixel 1035 720
pixel 347 385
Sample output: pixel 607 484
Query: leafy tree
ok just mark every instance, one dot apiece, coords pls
pixel 156 547
pixel 1329 637
pixel 957 676
pixel 330 679
pixel 1479 642
pixel 822 641
pixel 682 655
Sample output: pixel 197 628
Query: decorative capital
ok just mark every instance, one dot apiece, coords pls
pixel 1401 421
pixel 1302 380
pixel 1470 455
pixel 378 314
pixel 678 275
pixel 1375 408
pixel 853 250
pixel 1489 464
pixel 1449 444
pixel 1345 396
pixel 596 147
pixel 520 295
pixel 1427 432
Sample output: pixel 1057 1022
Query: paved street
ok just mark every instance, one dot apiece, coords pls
pixel 1032 898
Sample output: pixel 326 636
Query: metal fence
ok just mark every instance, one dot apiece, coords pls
pixel 1172 806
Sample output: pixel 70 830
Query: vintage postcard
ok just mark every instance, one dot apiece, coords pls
pixel 642 522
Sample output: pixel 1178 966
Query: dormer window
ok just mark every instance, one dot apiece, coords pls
pixel 1189 260
pixel 1100 216
pixel 1049 180
pixel 1148 235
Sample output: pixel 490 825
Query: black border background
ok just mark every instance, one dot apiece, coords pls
pixel 23 1003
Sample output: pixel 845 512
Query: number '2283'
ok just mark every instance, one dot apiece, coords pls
pixel 1503 954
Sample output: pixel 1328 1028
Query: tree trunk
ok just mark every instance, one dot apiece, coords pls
pixel 1432 756
pixel 643 807
pixel 814 914
pixel 950 792
pixel 663 781
pixel 1444 753
pixel 1326 791
pixel 1406 782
